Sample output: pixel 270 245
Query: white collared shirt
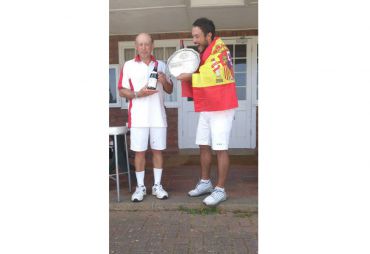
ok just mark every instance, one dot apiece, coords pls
pixel 146 111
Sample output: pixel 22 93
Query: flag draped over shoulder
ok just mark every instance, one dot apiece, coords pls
pixel 213 87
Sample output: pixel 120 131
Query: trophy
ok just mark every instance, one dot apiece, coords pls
pixel 184 60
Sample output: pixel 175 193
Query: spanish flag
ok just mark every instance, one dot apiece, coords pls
pixel 213 86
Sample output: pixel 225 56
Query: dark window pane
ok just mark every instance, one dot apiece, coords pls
pixel 241 91
pixel 257 84
pixel 240 79
pixel 158 53
pixel 168 52
pixel 129 54
pixel 240 65
pixel 241 50
pixel 112 86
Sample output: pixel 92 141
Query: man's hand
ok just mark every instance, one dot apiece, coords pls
pixel 185 77
pixel 162 77
pixel 167 85
pixel 145 92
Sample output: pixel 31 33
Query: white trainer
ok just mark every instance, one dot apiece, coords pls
pixel 215 198
pixel 159 192
pixel 201 189
pixel 139 194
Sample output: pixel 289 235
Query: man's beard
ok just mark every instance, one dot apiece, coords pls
pixel 201 48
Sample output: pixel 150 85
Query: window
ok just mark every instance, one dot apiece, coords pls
pixel 257 76
pixel 239 57
pixel 163 53
pixel 114 98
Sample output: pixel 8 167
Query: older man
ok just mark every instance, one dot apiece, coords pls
pixel 146 112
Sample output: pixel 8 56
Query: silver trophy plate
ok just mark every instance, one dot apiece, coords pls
pixel 184 60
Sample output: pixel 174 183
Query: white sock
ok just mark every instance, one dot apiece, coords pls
pixel 140 178
pixel 219 188
pixel 205 181
pixel 157 175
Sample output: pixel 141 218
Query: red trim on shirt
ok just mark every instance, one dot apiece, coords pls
pixel 138 59
pixel 130 105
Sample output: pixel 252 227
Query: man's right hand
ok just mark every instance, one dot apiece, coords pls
pixel 146 92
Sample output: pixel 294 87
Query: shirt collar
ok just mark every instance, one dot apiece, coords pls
pixel 137 58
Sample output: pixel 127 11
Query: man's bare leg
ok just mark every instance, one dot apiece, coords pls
pixel 223 164
pixel 205 161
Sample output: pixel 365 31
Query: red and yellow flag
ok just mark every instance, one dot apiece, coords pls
pixel 213 86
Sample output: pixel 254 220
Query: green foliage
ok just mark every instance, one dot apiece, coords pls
pixel 200 210
pixel 242 214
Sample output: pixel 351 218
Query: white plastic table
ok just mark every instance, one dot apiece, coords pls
pixel 115 131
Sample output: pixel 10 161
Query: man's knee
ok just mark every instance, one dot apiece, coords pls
pixel 156 152
pixel 204 147
pixel 140 154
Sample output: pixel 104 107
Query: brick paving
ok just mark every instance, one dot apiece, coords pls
pixel 182 232
pixel 176 225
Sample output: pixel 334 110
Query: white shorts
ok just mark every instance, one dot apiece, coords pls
pixel 214 129
pixel 139 138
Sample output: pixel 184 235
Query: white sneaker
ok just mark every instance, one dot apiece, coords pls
pixel 201 188
pixel 157 190
pixel 139 194
pixel 215 198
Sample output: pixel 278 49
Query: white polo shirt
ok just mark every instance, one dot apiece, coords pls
pixel 145 111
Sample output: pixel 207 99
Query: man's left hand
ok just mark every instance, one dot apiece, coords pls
pixel 162 77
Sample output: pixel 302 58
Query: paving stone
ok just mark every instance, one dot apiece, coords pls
pixel 213 236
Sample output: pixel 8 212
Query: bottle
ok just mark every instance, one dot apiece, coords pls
pixel 153 78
